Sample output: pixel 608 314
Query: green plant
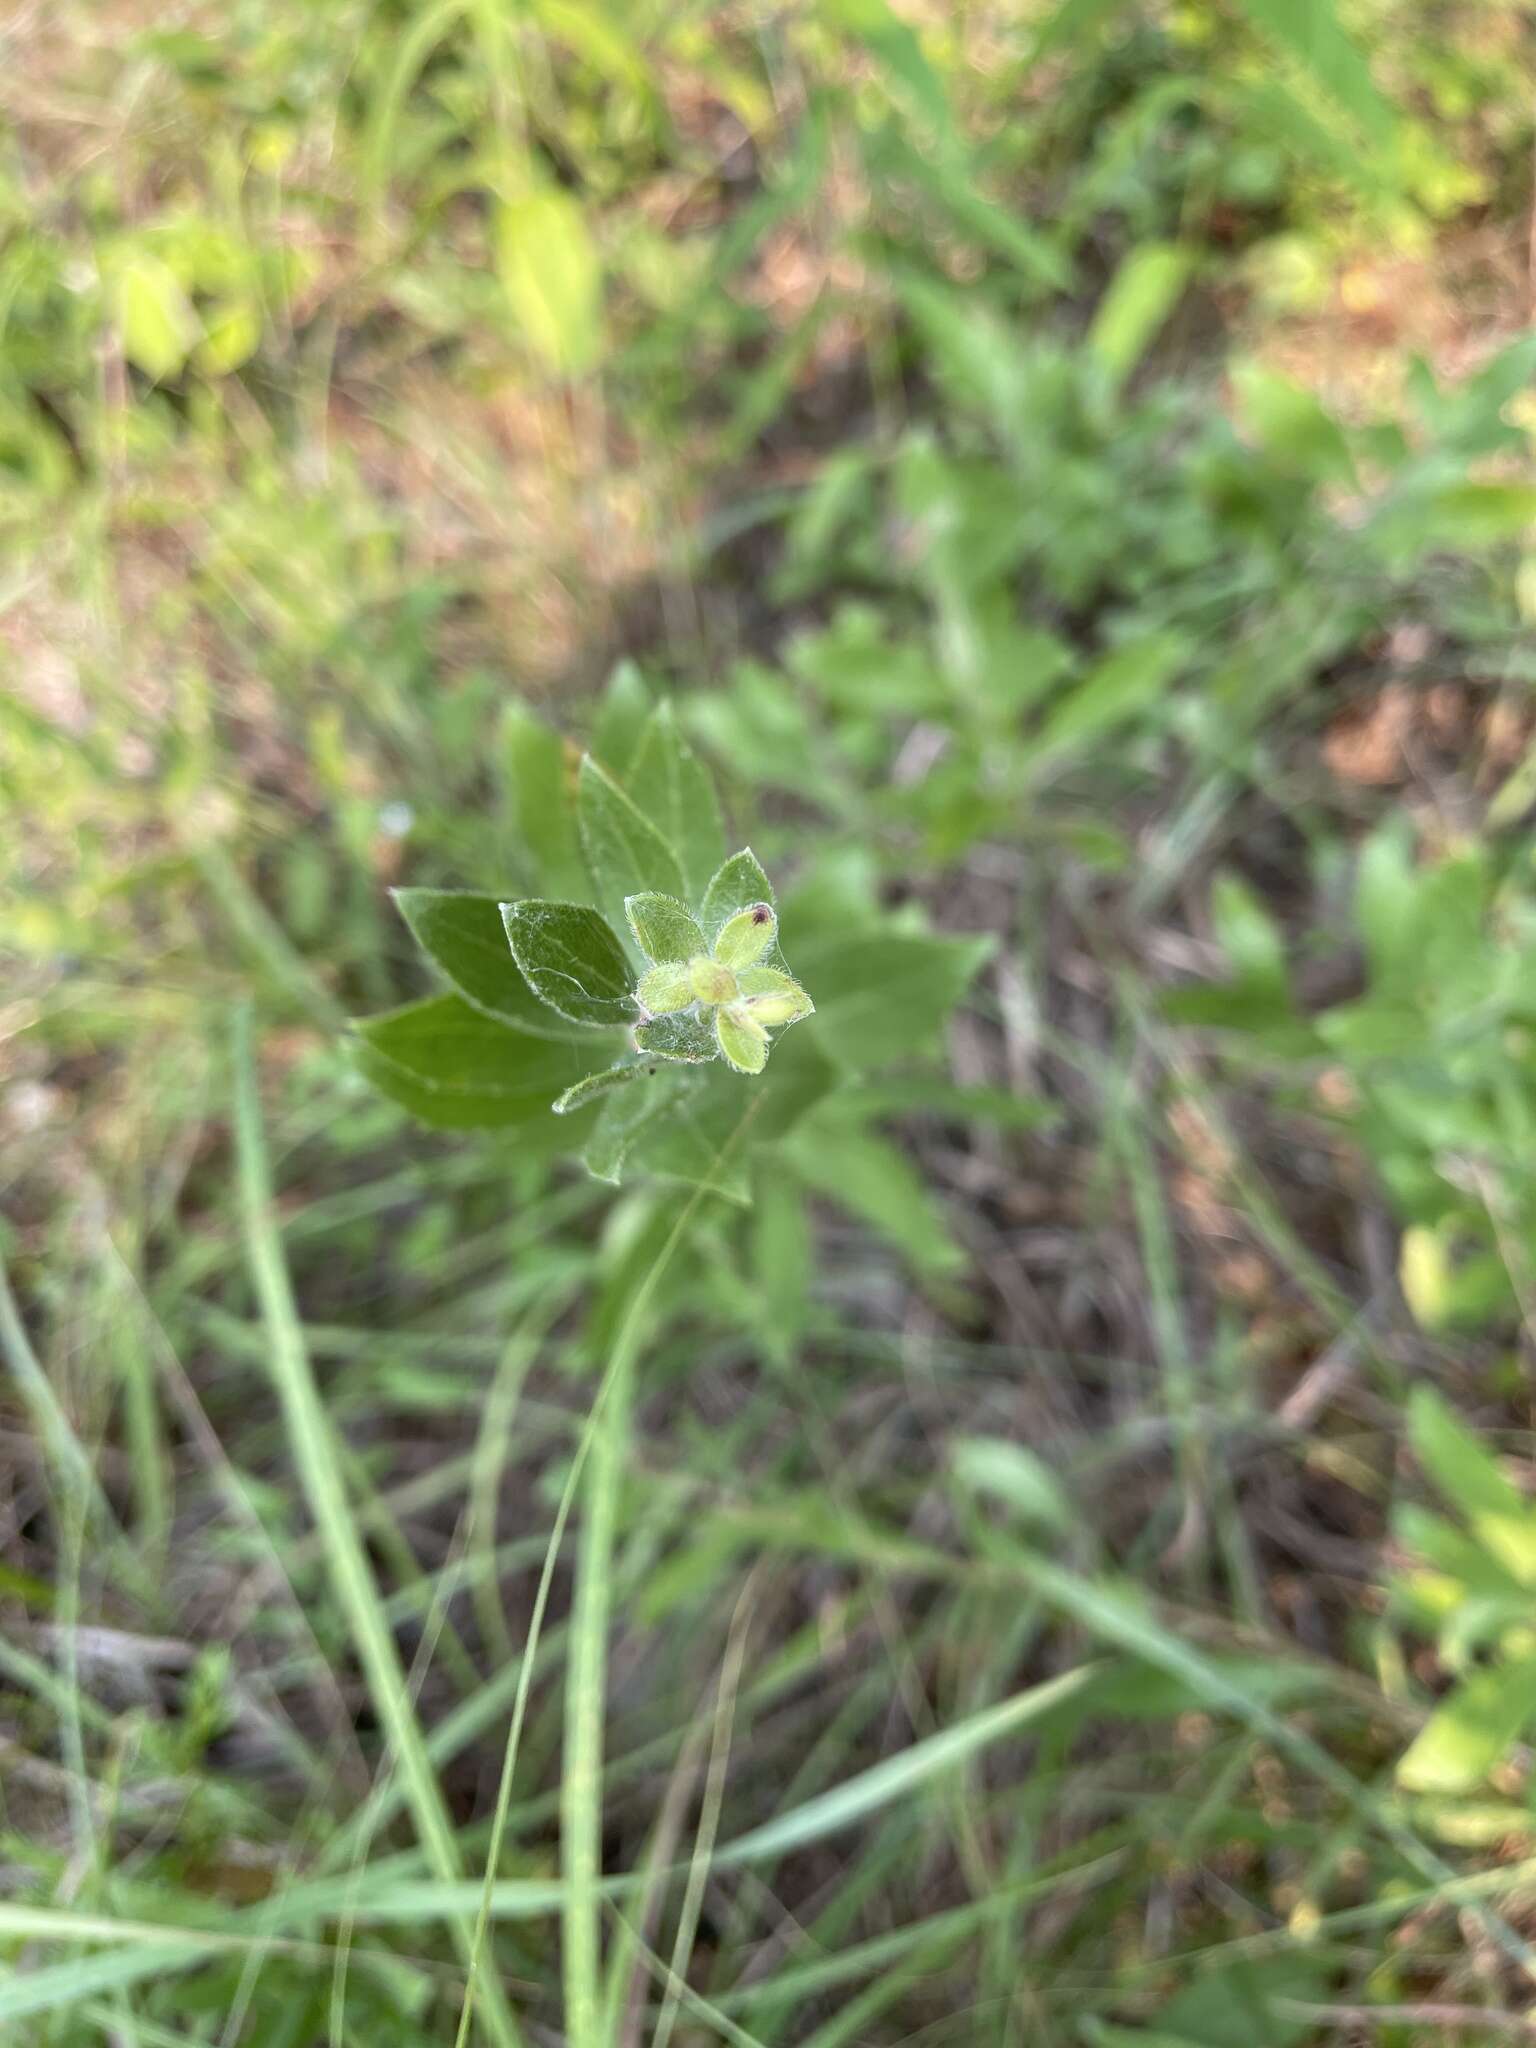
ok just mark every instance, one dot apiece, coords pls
pixel 1469 1587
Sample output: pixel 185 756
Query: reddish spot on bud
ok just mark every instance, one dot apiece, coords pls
pixel 761 913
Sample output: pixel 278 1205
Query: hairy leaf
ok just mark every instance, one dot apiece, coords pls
pixel 571 960
pixel 462 934
pixel 664 929
pixel 737 884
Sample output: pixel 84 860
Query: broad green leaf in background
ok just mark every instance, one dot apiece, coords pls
pixel 569 957
pixel 158 325
pixel 1290 422
pixel 1141 295
pixel 1386 892
pixel 1311 31
pixel 1014 1475
pixel 1471 1730
pixel 454 1067
pixel 710 1101
pixel 624 712
pixel 865 1174
pixel 1124 683
pixel 884 996
pixel 552 275
pixel 540 773
pixel 1425 1274
pixel 1471 1479
pixel 1250 938
pixel 625 853
pixel 464 936
pixel 231 336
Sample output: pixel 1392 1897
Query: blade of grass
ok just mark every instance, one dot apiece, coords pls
pixel 315 1454
pixel 709 1818
pixel 266 943
pixel 48 1418
pixel 901 1775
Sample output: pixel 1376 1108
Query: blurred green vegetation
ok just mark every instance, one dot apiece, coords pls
pixel 1067 469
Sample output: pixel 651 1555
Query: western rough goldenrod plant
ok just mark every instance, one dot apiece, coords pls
pixel 645 1014
pixel 635 1000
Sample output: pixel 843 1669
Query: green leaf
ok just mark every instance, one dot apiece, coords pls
pixel 1500 1517
pixel 571 960
pixel 1471 1730
pixel 676 792
pixel 231 336
pixel 883 996
pixel 665 931
pixel 667 989
pixel 593 1085
pixel 552 276
pixel 462 933
pixel 1291 424
pixel 772 997
pixel 1251 940
pixel 866 1175
pixel 743 1041
pixel 1142 293
pixel 623 713
pixel 1313 33
pixel 158 326
pixel 1241 2003
pixel 683 1035
pixel 1122 684
pixel 539 768
pixel 744 939
pixel 687 1146
pixel 737 884
pixel 1459 1465
pixel 624 1116
pixel 625 853
pixel 454 1067
pixel 1014 1475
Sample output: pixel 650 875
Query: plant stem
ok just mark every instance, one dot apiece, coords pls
pixel 581 1790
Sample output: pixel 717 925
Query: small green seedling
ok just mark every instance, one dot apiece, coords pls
pixel 629 1007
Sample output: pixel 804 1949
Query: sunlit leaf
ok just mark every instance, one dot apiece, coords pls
pixel 552 275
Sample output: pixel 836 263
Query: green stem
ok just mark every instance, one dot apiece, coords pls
pixel 581 1790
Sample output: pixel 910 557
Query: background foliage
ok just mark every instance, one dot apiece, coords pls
pixel 1064 470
